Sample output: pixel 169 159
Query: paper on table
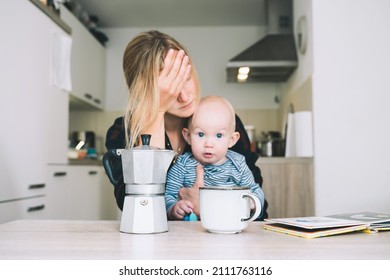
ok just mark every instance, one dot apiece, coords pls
pixel 316 222
pixel 62 46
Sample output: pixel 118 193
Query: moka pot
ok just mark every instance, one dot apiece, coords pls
pixel 144 174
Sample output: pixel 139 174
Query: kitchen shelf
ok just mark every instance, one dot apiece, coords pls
pixel 52 15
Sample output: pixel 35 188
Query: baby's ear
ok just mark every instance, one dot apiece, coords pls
pixel 186 135
pixel 234 138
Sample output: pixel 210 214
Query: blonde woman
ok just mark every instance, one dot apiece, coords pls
pixel 163 93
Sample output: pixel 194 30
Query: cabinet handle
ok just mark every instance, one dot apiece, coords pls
pixel 92 172
pixel 36 208
pixel 59 174
pixel 97 101
pixel 36 186
pixel 87 95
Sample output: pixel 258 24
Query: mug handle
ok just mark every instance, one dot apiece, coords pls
pixel 257 207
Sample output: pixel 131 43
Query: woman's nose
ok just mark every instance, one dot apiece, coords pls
pixel 183 96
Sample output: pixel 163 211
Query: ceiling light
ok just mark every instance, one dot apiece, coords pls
pixel 244 70
pixel 242 77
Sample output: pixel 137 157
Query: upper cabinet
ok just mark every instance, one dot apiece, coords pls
pixel 88 65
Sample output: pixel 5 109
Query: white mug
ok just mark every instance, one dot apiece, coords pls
pixel 227 209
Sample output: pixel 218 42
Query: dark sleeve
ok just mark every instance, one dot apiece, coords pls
pixel 115 139
pixel 243 146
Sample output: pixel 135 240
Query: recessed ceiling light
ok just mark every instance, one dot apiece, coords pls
pixel 244 70
pixel 242 77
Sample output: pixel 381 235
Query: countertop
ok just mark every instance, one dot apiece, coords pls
pixel 85 162
pixel 261 160
pixel 77 240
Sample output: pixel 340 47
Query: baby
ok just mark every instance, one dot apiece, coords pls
pixel 211 132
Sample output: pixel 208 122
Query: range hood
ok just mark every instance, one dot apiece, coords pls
pixel 274 57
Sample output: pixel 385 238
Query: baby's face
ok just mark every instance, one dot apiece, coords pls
pixel 211 134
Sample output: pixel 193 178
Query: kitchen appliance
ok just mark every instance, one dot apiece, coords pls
pixel 272 145
pixel 144 173
pixel 83 140
pixel 274 57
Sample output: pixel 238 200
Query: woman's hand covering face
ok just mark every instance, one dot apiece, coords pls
pixel 176 71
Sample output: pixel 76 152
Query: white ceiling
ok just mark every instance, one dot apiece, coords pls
pixel 174 13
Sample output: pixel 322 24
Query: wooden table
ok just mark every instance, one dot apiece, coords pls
pixel 95 240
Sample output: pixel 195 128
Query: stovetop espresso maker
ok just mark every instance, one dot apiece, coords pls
pixel 144 173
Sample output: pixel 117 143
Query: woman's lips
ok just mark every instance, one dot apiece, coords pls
pixel 187 106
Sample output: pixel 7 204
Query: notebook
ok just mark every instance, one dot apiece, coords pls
pixel 313 227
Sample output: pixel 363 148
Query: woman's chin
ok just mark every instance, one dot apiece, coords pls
pixel 182 113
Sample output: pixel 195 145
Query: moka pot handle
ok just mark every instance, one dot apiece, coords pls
pixel 110 161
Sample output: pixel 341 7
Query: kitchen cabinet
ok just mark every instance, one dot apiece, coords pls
pixel 288 185
pixel 19 199
pixel 58 127
pixel 59 204
pixel 74 192
pixel 77 192
pixel 27 92
pixel 23 106
pixel 109 208
pixel 31 208
pixel 87 63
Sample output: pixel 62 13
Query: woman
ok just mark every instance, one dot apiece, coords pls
pixel 163 93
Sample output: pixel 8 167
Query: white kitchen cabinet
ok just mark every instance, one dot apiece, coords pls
pixel 25 88
pixel 85 182
pixel 58 127
pixel 59 203
pixel 109 210
pixel 31 208
pixel 87 63
pixel 74 192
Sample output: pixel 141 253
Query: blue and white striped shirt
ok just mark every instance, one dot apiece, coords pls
pixel 233 172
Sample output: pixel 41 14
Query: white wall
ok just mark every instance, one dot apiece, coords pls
pixel 210 48
pixel 305 65
pixel 351 99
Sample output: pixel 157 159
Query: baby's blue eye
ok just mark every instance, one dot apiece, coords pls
pixel 200 134
pixel 219 135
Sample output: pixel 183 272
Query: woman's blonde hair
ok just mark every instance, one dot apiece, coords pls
pixel 142 62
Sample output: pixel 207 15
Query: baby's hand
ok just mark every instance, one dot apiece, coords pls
pixel 181 208
pixel 191 217
pixel 252 205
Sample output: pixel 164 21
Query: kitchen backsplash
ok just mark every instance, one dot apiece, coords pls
pixel 99 122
